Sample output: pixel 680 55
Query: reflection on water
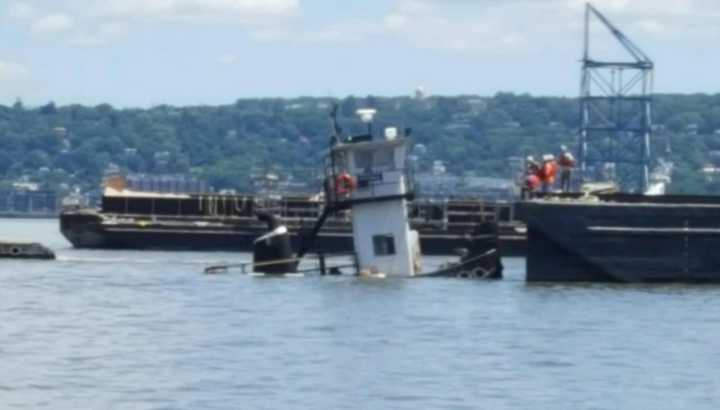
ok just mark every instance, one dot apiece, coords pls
pixel 147 330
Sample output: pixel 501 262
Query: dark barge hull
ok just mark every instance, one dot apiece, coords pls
pixel 625 239
pixel 90 230
pixel 209 222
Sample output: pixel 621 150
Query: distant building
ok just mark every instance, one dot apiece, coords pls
pixel 28 200
pixel 60 132
pixel 477 105
pixel 438 168
pixel 419 149
pixel 65 145
pixel 26 186
pixel 169 183
pixel 458 126
pixel 112 168
pixel 517 168
pixel 162 158
pixel 446 186
pixel 714 156
pixel 711 172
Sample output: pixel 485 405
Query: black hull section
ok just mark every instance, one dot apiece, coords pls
pixel 482 259
pixel 85 229
pixel 662 240
pixel 13 250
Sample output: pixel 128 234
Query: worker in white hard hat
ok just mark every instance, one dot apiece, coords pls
pixel 567 163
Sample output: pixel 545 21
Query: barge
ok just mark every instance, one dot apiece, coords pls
pixel 623 238
pixel 209 222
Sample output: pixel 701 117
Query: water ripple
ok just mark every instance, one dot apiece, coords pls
pixel 147 330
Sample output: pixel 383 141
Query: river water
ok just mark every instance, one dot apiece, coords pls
pixel 148 330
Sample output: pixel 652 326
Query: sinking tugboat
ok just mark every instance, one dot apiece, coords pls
pixel 369 176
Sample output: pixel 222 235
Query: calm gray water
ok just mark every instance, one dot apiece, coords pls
pixel 147 330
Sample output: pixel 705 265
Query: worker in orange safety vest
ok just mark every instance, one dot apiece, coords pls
pixel 548 172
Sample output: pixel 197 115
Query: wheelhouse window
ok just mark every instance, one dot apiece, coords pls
pixel 384 245
pixel 364 161
pixel 368 161
pixel 384 160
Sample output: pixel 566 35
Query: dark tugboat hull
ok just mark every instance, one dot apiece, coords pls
pixel 627 239
pixel 481 259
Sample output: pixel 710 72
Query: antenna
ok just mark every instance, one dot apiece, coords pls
pixel 366 116
pixel 335 128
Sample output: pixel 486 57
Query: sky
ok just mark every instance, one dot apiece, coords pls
pixel 140 53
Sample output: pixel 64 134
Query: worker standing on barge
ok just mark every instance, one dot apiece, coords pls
pixel 567 163
pixel 548 172
pixel 531 180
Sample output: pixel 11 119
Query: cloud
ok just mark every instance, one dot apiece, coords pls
pixel 271 34
pixel 643 7
pixel 53 23
pixel 89 23
pixel 12 72
pixel 395 22
pixel 342 33
pixel 651 26
pixel 459 26
pixel 20 11
pixel 506 27
pixel 200 10
pixel 227 59
pixel 15 80
pixel 454 26
pixel 105 33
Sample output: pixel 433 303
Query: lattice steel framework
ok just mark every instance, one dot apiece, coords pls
pixel 616 112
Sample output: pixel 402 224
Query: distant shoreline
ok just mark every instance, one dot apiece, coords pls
pixel 18 215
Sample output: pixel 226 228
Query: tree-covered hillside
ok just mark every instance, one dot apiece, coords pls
pixel 74 145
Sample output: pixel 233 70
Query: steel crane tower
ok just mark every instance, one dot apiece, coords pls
pixel 616 112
